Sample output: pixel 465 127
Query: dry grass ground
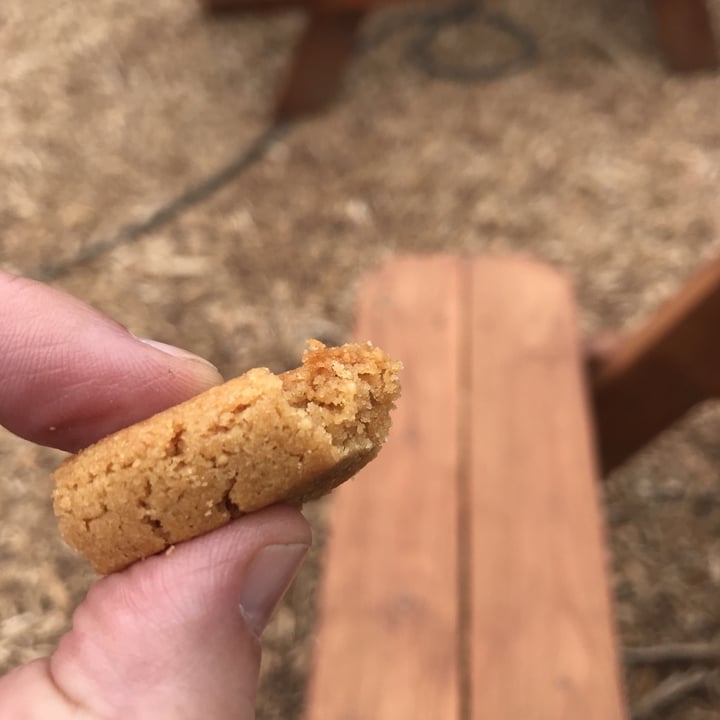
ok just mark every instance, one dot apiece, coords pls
pixel 592 158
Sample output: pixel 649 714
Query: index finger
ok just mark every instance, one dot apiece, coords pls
pixel 70 375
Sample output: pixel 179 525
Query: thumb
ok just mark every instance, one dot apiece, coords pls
pixel 174 636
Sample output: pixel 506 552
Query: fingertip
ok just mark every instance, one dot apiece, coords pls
pixel 216 563
pixel 69 375
pixel 133 635
pixel 206 373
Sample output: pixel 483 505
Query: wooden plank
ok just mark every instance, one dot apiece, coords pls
pixel 650 378
pixel 540 613
pixel 685 34
pixel 387 645
pixel 319 63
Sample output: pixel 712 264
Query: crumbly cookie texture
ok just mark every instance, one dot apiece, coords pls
pixel 256 440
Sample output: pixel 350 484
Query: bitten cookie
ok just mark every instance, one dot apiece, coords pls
pixel 256 440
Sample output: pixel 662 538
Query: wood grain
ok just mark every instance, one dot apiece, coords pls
pixel 540 614
pixel 388 635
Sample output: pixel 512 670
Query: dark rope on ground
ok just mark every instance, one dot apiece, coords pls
pixel 421 54
pixel 172 209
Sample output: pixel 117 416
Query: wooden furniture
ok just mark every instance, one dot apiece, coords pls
pixel 466 571
pixel 649 378
pixel 683 29
pixel 685 34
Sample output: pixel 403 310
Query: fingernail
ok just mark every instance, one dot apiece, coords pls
pixel 268 578
pixel 177 352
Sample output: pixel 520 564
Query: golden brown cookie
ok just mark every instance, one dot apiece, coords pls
pixel 256 440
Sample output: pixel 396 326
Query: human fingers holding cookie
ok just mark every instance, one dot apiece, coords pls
pixel 174 636
pixel 174 457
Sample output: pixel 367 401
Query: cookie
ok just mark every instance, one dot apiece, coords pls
pixel 256 440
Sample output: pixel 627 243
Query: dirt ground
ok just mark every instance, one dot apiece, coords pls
pixel 591 157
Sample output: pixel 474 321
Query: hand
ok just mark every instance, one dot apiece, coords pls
pixel 173 636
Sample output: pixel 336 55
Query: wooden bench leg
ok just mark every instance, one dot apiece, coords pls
pixel 645 381
pixel 317 70
pixel 685 34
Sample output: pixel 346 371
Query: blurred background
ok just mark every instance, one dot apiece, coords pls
pixel 124 130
